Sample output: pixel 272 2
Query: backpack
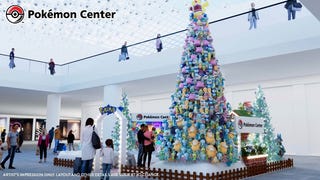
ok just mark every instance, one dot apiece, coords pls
pixel 95 140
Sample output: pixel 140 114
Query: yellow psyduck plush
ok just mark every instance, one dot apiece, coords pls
pixel 177 146
pixel 210 137
pixel 195 146
pixel 211 151
pixel 223 147
pixel 192 131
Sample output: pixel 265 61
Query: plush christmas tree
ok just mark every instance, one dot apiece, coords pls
pixel 131 137
pixel 200 127
pixel 260 109
pixel 115 134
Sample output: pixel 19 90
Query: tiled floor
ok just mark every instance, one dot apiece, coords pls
pixel 28 168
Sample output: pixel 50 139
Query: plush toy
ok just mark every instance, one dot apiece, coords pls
pixel 210 137
pixel 223 147
pixel 192 131
pixel 231 135
pixel 180 122
pixel 202 129
pixel 177 145
pixel 211 151
pixel 195 146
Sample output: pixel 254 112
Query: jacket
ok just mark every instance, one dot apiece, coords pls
pixel 251 16
pixel 40 139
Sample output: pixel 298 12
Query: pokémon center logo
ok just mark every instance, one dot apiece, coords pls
pixel 15 14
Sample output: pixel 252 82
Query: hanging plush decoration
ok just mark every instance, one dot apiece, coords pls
pixel 200 125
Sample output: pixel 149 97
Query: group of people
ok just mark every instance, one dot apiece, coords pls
pixel 13 65
pixel 124 49
pixel 146 144
pixel 291 5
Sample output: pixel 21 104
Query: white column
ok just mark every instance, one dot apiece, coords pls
pixel 53 110
pixel 33 129
pixel 112 96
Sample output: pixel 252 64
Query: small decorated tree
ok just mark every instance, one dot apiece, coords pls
pixel 260 109
pixel 115 134
pixel 131 137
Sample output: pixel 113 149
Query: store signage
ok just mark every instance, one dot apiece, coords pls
pixel 249 124
pixel 16 13
pixel 150 117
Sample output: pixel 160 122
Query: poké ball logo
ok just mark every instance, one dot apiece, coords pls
pixel 15 14
pixel 240 124
pixel 139 116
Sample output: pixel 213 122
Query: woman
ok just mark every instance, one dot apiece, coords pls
pixel 70 140
pixel 51 67
pixel 43 143
pixel 87 149
pixel 148 147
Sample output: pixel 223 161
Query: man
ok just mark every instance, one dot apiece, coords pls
pixel 51 134
pixel 141 139
pixel 12 139
pixel 57 138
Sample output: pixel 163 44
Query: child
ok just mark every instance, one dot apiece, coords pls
pixel 2 149
pixel 107 159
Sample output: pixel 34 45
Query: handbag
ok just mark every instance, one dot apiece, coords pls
pixel 95 140
pixel 296 6
pixel 37 151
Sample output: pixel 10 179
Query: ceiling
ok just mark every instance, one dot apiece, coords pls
pixel 66 40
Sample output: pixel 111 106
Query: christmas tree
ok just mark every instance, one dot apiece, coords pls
pixel 131 137
pixel 200 128
pixel 115 135
pixel 260 109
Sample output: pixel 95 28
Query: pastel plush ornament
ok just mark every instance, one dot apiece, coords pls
pixel 192 131
pixel 186 104
pixel 201 92
pixel 180 122
pixel 202 130
pixel 231 135
pixel 192 97
pixel 194 156
pixel 177 146
pixel 190 115
pixel 195 145
pixel 210 137
pixel 211 151
pixel 215 160
pixel 197 42
pixel 199 49
pixel 223 147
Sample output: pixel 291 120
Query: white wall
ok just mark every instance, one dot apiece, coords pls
pixel 293 105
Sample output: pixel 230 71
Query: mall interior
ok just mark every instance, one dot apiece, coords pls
pixel 277 54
